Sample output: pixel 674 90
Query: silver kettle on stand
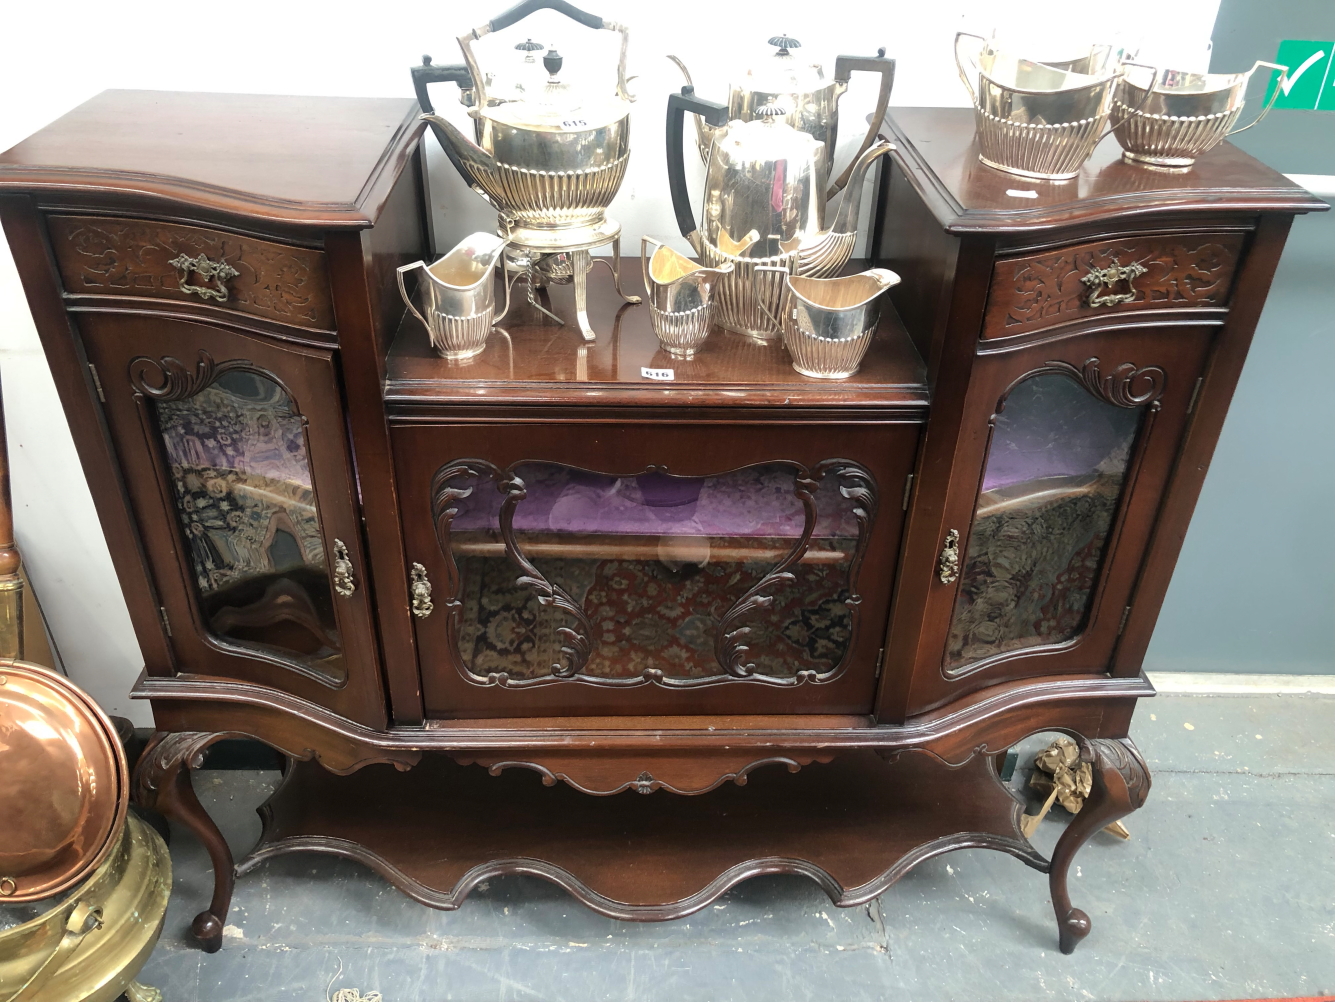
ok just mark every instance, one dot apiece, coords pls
pixel 764 206
pixel 549 159
pixel 812 99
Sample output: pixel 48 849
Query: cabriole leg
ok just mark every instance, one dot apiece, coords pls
pixel 1121 782
pixel 162 784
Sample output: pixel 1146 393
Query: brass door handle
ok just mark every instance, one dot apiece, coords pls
pixel 216 272
pixel 948 564
pixel 344 583
pixel 1100 278
pixel 421 591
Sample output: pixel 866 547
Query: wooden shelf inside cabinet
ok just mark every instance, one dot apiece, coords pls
pixel 854 825
pixel 538 362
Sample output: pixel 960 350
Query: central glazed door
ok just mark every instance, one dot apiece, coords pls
pixel 656 568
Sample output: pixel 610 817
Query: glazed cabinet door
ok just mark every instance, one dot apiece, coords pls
pixel 651 568
pixel 1066 447
pixel 234 455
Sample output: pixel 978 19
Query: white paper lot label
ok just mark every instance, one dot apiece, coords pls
pixel 664 375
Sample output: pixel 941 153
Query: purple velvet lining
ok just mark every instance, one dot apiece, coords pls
pixel 756 501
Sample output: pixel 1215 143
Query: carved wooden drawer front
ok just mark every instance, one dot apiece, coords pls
pixel 1084 280
pixel 135 257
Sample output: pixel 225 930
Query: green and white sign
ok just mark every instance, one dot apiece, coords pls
pixel 1310 83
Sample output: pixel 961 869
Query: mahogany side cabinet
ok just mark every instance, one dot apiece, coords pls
pixel 542 613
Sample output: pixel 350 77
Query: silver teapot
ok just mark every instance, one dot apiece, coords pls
pixel 764 206
pixel 549 159
pixel 812 99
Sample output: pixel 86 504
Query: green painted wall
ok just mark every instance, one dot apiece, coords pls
pixel 1254 590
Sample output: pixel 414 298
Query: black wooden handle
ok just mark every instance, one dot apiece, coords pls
pixel 522 10
pixel 846 66
pixel 677 106
pixel 428 73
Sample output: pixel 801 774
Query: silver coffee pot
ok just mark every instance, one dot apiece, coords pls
pixel 764 205
pixel 811 98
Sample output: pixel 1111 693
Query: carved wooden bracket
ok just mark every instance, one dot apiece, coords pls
pixel 603 775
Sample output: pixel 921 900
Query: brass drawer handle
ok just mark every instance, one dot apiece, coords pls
pixel 421 589
pixel 216 272
pixel 343 580
pixel 948 566
pixel 1099 278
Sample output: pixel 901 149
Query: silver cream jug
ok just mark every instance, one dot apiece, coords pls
pixel 459 295
pixel 680 294
pixel 828 323
pixel 764 205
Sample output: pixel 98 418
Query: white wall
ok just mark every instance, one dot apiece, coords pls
pixel 58 55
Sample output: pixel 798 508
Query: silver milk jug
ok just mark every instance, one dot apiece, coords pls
pixel 458 293
pixel 681 297
pixel 828 323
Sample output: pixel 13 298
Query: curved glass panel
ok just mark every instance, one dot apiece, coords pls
pixel 653 569
pixel 1054 476
pixel 236 455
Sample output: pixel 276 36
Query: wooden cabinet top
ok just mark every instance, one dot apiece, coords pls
pixel 537 362
pixel 325 162
pixel 936 148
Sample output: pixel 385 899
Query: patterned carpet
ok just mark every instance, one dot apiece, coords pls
pixel 651 615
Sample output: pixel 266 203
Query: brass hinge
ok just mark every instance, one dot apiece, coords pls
pixel 880 658
pixel 97 383
pixel 1126 614
pixel 908 490
pixel 1195 392
pixel 166 624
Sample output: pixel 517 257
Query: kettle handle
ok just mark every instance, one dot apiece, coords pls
pixel 407 299
pixel 522 10
pixel 713 113
pixel 844 68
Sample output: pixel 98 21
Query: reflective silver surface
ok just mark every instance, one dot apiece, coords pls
pixel 549 157
pixel 828 323
pixel 1183 115
pixel 801 87
pixel 1036 119
pixel 764 204
pixel 458 293
pixel 680 296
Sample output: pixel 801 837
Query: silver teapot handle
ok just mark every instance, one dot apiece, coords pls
pixel 1279 85
pixel 403 290
pixel 760 300
pixel 522 10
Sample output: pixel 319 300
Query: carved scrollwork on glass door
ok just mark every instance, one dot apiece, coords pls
pixel 1064 449
pixel 558 574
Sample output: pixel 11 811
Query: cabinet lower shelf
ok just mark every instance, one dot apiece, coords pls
pixel 855 826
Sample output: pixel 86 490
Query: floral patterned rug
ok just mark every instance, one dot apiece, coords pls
pixel 651 615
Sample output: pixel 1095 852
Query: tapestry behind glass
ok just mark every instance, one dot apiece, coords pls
pixel 1053 479
pixel 655 562
pixel 236 452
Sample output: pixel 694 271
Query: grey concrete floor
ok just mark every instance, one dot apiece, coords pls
pixel 1226 891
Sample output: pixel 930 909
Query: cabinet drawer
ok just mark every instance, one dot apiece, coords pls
pixel 102 256
pixel 1070 283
